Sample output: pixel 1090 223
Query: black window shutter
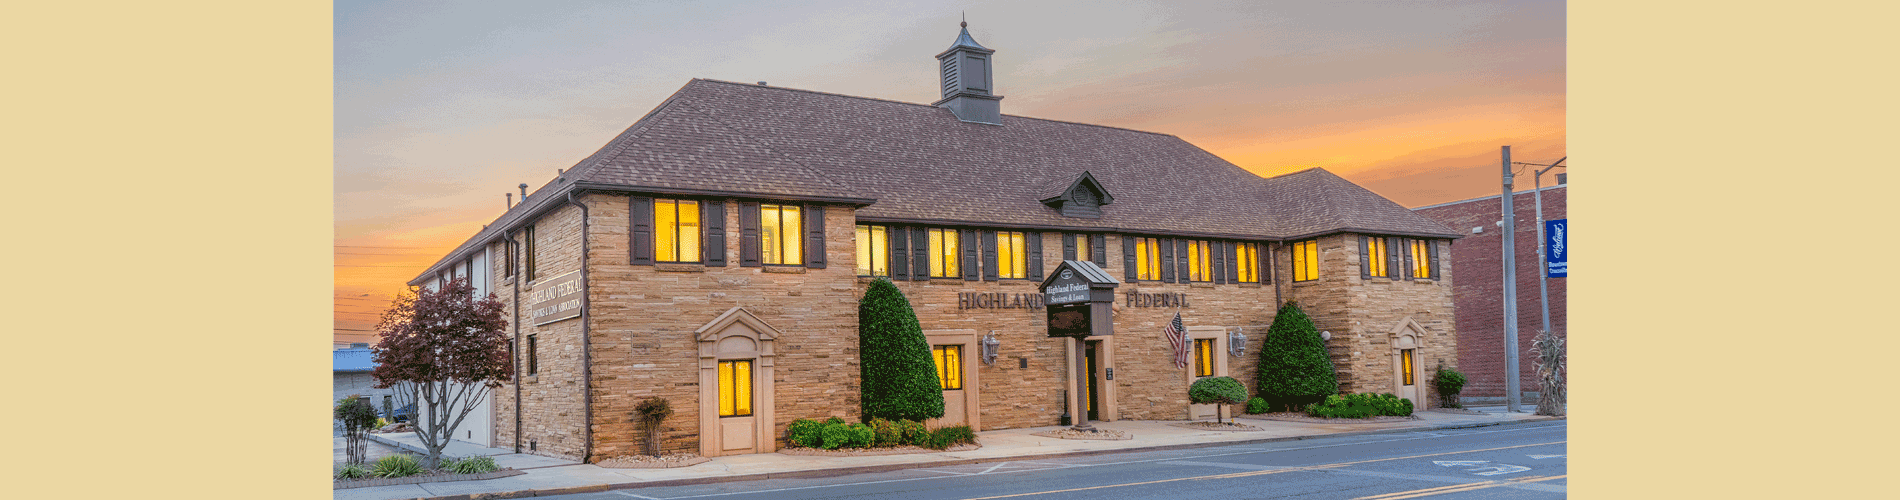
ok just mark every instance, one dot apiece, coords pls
pixel 749 234
pixel 989 255
pixel 900 252
pixel 1181 274
pixel 1129 267
pixel 1033 247
pixel 1405 250
pixel 920 249
pixel 1266 263
pixel 966 242
pixel 815 237
pixel 1431 253
pixel 1394 249
pixel 1068 246
pixel 1232 251
pixel 1098 246
pixel 1218 253
pixel 712 217
pixel 640 238
pixel 1365 259
pixel 1167 260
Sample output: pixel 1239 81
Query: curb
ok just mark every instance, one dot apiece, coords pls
pixel 841 471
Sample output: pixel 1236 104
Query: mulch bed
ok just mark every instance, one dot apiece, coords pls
pixel 872 452
pixel 1071 433
pixel 434 476
pixel 1304 418
pixel 1216 426
pixel 652 462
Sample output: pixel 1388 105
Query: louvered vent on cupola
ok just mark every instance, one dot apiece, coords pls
pixel 1082 197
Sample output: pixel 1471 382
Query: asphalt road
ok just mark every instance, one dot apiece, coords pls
pixel 1515 461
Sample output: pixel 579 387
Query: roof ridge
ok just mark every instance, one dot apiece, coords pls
pixel 713 80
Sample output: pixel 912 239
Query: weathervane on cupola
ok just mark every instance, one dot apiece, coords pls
pixel 966 81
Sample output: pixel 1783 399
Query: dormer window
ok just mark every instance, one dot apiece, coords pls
pixel 1081 197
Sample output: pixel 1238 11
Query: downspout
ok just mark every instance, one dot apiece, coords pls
pixel 508 260
pixel 1273 259
pixel 587 365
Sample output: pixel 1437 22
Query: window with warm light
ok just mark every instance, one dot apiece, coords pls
pixel 949 360
pixel 735 388
pixel 1011 255
pixel 1200 266
pixel 1405 358
pixel 1306 260
pixel 1147 259
pixel 676 230
pixel 1376 258
pixel 1203 357
pixel 1247 262
pixel 943 254
pixel 1421 259
pixel 1082 250
pixel 781 231
pixel 874 251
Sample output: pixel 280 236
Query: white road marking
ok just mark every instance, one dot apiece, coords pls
pixel 618 492
pixel 1460 463
pixel 1499 469
pixel 1254 451
pixel 1541 457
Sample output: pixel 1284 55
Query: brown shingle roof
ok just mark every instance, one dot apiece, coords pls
pixel 919 163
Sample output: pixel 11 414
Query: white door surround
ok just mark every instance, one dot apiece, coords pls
pixel 960 407
pixel 1409 335
pixel 736 335
pixel 1219 335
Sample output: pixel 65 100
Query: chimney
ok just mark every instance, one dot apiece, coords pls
pixel 509 202
pixel 524 192
pixel 967 82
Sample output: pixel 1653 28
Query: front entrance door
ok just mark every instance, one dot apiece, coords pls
pixel 1408 376
pixel 1094 392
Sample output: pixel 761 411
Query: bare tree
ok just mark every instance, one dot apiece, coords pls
pixel 442 350
pixel 1550 373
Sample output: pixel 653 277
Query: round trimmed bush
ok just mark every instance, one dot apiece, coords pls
pixel 806 432
pixel 1256 405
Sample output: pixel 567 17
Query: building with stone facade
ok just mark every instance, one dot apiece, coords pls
pixel 1479 293
pixel 713 254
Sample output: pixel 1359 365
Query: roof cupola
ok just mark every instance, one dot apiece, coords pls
pixel 967 82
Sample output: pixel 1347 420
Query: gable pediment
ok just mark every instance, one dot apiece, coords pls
pixel 1081 197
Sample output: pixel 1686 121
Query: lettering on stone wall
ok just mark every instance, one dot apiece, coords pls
pixel 985 300
pixel 1138 299
pixel 557 299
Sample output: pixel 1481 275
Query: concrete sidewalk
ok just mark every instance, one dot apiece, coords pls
pixel 551 476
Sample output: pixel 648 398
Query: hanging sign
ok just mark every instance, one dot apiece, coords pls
pixel 1078 296
pixel 1557 248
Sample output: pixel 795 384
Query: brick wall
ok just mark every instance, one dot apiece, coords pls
pixel 1479 292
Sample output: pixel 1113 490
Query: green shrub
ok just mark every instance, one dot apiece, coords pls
pixel 1347 406
pixel 471 465
pixel 1256 405
pixel 887 432
pixel 913 433
pixel 898 378
pixel 950 436
pixel 1448 382
pixel 834 420
pixel 1220 391
pixel 352 471
pixel 860 435
pixel 1295 369
pixel 806 432
pixel 396 466
pixel 835 435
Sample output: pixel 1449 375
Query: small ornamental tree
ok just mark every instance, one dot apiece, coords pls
pixel 442 350
pixel 1294 367
pixel 898 380
pixel 1220 391
pixel 357 415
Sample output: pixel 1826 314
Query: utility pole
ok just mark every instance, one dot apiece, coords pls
pixel 1511 383
pixel 1543 277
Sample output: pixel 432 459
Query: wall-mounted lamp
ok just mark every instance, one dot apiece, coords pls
pixel 989 345
pixel 1237 343
pixel 1325 335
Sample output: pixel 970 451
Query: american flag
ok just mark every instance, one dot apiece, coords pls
pixel 1177 335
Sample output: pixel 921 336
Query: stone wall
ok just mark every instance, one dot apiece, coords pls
pixel 1363 313
pixel 553 410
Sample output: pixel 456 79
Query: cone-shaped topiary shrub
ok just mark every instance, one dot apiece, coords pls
pixel 1294 368
pixel 1220 391
pixel 898 379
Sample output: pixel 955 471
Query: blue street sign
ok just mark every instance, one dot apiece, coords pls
pixel 1556 249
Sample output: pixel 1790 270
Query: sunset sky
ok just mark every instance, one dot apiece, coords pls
pixel 442 107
